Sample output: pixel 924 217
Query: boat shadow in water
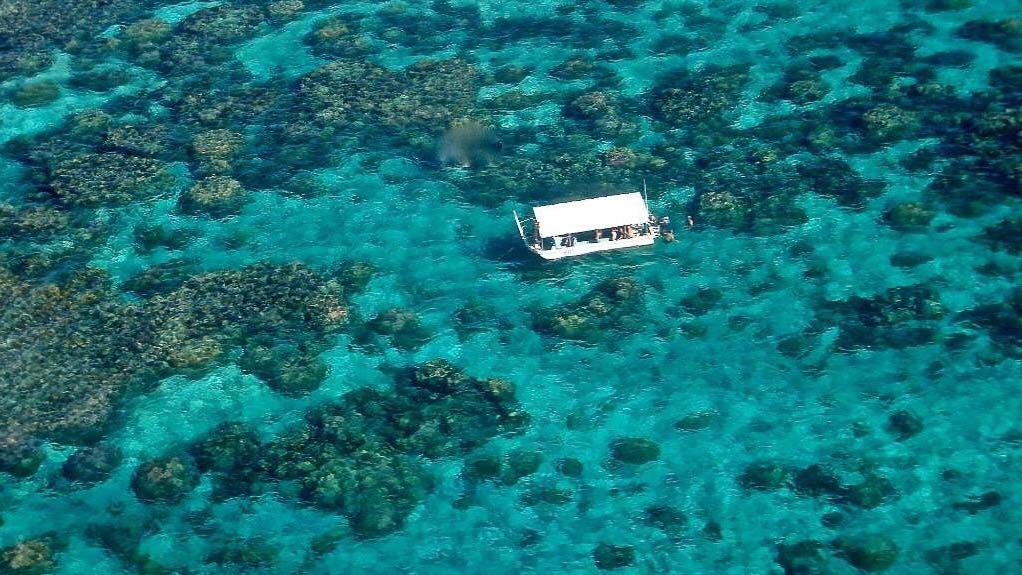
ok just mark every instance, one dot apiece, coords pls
pixel 513 256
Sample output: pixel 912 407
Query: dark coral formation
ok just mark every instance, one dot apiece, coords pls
pixel 686 99
pixel 130 346
pixel 403 327
pixel 900 317
pixel 359 455
pixel 216 196
pixel 764 476
pixel 612 306
pixel 167 479
pixel 872 552
pixel 608 557
pixel 36 556
pixel 426 95
pixel 634 450
pixel 288 368
pixel 92 463
pixel 108 179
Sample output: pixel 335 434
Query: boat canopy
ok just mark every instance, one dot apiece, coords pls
pixel 592 214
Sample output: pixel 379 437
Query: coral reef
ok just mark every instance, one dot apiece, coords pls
pixel 168 478
pixel 900 317
pixel 338 37
pixel 870 552
pixel 608 557
pixel 403 327
pixel 109 178
pixel 35 556
pixel 689 99
pixel 426 95
pixel 357 455
pixel 611 307
pixel 288 369
pixel 215 150
pixel 92 463
pixel 216 196
pixel 764 476
pixel 634 450
pixel 50 366
pixel 34 94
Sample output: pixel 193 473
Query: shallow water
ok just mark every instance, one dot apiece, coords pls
pixel 436 247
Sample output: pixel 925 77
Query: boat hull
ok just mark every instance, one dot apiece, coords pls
pixel 583 248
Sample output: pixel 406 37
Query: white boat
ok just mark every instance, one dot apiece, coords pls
pixel 587 226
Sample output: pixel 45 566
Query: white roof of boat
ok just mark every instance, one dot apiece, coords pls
pixel 591 214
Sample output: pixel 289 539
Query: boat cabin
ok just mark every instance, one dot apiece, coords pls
pixel 587 226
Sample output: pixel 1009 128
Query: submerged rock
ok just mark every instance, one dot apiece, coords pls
pixel 229 446
pixel 215 150
pixel 900 317
pixel 521 463
pixel 1005 34
pixel 286 369
pixel 35 94
pixel 634 450
pixel 608 557
pixel 402 325
pixel 817 480
pixel 908 216
pixel 20 455
pixel 666 518
pixel 569 467
pixel 888 123
pixel 976 503
pixel 251 553
pixel 870 552
pixel 802 558
pixel 338 37
pixel 696 421
pixel 904 424
pixel 764 476
pixel 92 464
pixel 1005 235
pixel 360 456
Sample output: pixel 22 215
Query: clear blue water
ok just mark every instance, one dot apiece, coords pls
pixel 437 246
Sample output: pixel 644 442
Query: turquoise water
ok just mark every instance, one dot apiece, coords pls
pixel 845 298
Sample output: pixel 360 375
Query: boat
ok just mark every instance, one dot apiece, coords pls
pixel 588 226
